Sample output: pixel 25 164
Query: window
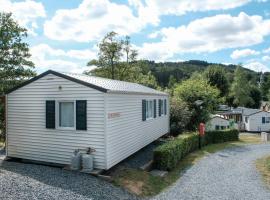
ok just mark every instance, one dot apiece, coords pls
pixel 217 127
pixel 66 115
pixel 149 109
pixel 263 120
pixel 162 107
pixel 267 120
pixel 246 119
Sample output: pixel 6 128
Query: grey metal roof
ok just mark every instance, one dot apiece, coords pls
pixel 98 83
pixel 115 86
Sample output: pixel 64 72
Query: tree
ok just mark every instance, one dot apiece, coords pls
pixel 256 96
pixel 240 89
pixel 179 116
pixel 172 81
pixel 216 76
pixel 193 91
pixel 15 65
pixel 116 58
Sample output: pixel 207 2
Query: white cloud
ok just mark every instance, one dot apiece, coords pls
pixel 211 34
pixel 92 20
pixel 257 66
pixel 25 12
pixel 266 58
pixel 236 54
pixel 46 57
pixel 266 50
pixel 156 8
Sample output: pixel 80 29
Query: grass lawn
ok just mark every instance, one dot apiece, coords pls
pixel 142 183
pixel 263 166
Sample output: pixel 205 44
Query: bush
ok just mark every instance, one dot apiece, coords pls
pixel 167 155
pixel 179 116
pixel 220 136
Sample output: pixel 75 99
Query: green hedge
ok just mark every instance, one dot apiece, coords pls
pixel 212 137
pixel 167 155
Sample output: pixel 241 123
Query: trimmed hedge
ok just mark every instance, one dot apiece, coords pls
pixel 167 155
pixel 212 137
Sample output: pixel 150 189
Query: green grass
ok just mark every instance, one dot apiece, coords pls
pixel 142 183
pixel 263 166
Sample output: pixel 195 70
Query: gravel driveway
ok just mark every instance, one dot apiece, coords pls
pixel 28 181
pixel 229 174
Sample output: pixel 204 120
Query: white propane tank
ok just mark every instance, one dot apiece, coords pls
pixel 75 161
pixel 87 162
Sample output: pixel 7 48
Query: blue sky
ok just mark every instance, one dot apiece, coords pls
pixel 63 34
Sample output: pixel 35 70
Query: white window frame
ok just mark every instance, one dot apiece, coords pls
pixel 58 115
pixel 149 114
pixel 162 110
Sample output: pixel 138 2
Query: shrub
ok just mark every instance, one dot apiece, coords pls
pixel 167 156
pixel 179 116
pixel 220 136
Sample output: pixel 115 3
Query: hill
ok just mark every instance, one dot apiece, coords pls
pixel 183 70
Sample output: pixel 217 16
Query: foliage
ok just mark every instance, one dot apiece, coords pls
pixel 256 96
pixel 167 155
pixel 240 89
pixel 216 76
pixel 118 60
pixel 192 90
pixel 212 137
pixel 15 65
pixel 179 116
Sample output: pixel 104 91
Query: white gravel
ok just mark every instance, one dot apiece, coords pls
pixel 229 174
pixel 28 181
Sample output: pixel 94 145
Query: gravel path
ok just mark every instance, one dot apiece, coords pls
pixel 228 174
pixel 28 181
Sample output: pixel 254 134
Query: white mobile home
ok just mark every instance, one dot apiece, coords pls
pixel 53 114
pixel 257 122
pixel 217 123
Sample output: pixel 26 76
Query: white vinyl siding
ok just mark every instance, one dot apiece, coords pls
pixel 255 122
pixel 127 133
pixel 27 135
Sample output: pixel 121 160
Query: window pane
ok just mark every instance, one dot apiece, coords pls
pixel 66 114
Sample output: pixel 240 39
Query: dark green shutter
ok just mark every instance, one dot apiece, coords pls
pixel 81 115
pixel 165 106
pixel 143 109
pixel 159 107
pixel 155 108
pixel 263 120
pixel 50 114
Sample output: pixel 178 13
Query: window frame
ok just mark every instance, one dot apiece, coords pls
pixel 147 103
pixel 58 114
pixel 267 120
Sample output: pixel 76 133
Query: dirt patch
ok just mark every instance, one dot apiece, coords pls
pixel 134 186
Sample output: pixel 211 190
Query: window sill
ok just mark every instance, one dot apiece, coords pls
pixel 66 128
